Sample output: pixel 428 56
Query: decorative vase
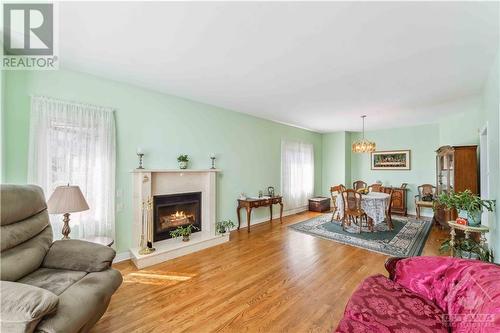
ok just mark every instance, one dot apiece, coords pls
pixel 222 230
pixel 185 238
pixel 183 165
pixel 473 218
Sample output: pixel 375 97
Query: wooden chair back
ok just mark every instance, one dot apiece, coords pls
pixel 337 189
pixel 358 184
pixel 389 204
pixel 375 188
pixel 388 209
pixel 386 189
pixel 426 189
pixel 352 201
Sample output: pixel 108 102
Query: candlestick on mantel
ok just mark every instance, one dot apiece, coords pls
pixel 212 157
pixel 140 154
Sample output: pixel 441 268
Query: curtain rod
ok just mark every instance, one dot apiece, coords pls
pixel 52 99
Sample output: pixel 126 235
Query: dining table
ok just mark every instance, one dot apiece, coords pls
pixel 373 203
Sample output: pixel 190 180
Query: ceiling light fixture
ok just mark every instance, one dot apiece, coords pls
pixel 363 145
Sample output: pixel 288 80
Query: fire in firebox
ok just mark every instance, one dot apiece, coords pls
pixel 176 219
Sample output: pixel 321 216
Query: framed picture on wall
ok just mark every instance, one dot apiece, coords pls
pixel 391 160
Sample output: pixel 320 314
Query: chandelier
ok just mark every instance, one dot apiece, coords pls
pixel 363 145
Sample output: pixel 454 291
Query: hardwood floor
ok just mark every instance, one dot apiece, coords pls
pixel 270 280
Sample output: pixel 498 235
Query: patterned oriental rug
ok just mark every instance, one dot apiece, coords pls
pixel 406 240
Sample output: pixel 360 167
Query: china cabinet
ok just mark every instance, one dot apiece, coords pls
pixel 456 171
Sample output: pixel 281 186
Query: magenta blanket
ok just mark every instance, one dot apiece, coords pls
pixel 467 291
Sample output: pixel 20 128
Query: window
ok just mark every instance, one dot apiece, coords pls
pixel 75 143
pixel 297 173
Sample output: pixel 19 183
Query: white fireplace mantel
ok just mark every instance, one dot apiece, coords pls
pixel 151 182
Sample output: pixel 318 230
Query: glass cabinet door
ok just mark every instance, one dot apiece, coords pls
pixel 442 173
pixel 451 172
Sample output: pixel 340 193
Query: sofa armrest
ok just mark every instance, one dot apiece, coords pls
pixel 78 255
pixel 23 306
pixel 390 266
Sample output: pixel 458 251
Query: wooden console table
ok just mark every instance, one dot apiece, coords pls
pixel 251 203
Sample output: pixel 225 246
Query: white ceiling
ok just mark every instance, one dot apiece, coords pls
pixel 313 65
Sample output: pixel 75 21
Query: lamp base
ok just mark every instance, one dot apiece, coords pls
pixel 66 229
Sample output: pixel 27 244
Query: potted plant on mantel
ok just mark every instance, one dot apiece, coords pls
pixel 184 231
pixel 183 161
pixel 469 205
pixel 224 226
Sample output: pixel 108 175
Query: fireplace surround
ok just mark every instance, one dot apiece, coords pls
pixel 164 183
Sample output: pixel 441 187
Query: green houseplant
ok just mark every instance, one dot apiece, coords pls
pixel 468 205
pixel 467 248
pixel 223 226
pixel 183 161
pixel 184 231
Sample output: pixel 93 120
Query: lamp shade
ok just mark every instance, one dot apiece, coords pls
pixel 67 199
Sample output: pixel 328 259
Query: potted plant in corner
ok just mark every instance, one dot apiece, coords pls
pixel 184 231
pixel 224 226
pixel 468 205
pixel 467 248
pixel 183 161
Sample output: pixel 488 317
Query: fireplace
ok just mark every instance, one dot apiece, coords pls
pixel 175 210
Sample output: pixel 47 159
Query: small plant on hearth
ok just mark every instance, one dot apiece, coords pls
pixel 223 226
pixel 183 161
pixel 184 231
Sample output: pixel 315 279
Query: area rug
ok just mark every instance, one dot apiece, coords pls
pixel 406 240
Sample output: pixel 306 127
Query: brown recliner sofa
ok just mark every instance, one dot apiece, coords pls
pixel 62 286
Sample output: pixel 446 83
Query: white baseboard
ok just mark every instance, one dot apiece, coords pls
pixel 122 256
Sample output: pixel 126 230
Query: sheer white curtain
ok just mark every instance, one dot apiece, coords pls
pixel 75 143
pixel 297 173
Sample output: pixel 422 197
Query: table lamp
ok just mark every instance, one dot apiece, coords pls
pixel 67 199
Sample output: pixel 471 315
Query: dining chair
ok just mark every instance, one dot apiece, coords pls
pixel 353 210
pixel 358 184
pixel 335 191
pixel 388 216
pixel 425 197
pixel 375 188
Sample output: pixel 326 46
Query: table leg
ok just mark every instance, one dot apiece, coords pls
pixel 482 240
pixel 271 213
pixel 239 218
pixel 249 213
pixel 452 240
pixel 281 212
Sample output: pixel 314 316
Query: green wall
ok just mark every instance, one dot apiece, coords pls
pixel 421 140
pixel 248 148
pixel 336 160
pixel 462 128
pixel 490 108
pixel 2 126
